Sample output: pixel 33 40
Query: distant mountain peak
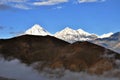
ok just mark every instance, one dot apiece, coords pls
pixel 106 35
pixel 71 35
pixel 81 31
pixel 37 26
pixel 37 30
pixel 67 28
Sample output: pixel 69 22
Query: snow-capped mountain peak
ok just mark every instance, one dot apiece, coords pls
pixel 69 31
pixel 37 26
pixel 72 35
pixel 68 28
pixel 37 30
pixel 65 31
pixel 82 32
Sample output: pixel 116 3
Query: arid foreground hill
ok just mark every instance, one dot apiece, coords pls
pixel 55 53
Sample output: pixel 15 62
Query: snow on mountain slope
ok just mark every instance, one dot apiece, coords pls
pixel 106 35
pixel 71 35
pixel 82 32
pixel 37 30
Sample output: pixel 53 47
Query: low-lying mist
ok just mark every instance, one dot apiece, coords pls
pixel 16 70
pixel 19 71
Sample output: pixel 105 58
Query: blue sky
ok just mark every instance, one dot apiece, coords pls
pixel 93 16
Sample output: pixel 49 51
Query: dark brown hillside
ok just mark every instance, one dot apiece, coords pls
pixel 31 48
pixel 86 51
pixel 79 56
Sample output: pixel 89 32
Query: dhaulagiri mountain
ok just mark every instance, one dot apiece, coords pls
pixel 37 30
pixel 109 40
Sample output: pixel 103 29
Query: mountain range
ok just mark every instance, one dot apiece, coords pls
pixel 67 34
pixel 109 40
pixel 50 55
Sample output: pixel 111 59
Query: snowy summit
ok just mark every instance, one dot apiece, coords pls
pixel 72 35
pixel 67 34
pixel 37 30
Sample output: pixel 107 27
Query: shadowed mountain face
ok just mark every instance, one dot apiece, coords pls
pixel 30 48
pixel 55 53
pixel 112 42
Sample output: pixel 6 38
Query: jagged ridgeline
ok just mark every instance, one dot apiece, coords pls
pixel 109 40
pixel 56 53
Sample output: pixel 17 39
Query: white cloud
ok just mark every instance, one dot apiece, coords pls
pixel 29 4
pixel 86 1
pixel 16 1
pixel 49 2
pixel 21 6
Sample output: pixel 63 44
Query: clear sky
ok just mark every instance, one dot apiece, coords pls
pixel 93 16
